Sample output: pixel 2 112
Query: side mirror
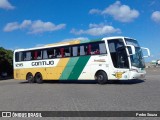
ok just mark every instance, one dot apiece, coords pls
pixel 148 51
pixel 131 49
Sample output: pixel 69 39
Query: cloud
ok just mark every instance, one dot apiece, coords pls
pixel 25 24
pixel 156 16
pixel 95 11
pixel 4 4
pixel 40 27
pixel 97 30
pixel 39 45
pixel 119 12
pixel 33 27
pixel 11 27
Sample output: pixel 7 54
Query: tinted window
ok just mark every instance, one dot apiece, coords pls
pixel 118 53
pixel 75 50
pixel 60 52
pixel 79 50
pixel 47 53
pixel 67 51
pixel 18 56
pixel 37 54
pixel 97 48
pixel 83 50
pixel 28 55
pixel 102 48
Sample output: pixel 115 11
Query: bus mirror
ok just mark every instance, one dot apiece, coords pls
pixel 131 49
pixel 148 52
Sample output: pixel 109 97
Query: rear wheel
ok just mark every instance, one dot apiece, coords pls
pixel 38 78
pixel 30 78
pixel 101 77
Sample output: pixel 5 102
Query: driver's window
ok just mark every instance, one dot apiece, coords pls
pixel 118 53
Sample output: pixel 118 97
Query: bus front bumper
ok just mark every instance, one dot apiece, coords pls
pixel 137 75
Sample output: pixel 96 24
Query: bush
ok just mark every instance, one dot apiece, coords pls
pixel 6 61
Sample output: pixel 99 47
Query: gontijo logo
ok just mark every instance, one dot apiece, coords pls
pixel 42 63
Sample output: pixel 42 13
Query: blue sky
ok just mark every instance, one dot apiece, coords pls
pixel 30 23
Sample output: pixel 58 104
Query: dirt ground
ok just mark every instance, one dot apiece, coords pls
pixel 153 70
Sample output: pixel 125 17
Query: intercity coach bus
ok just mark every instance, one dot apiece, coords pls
pixel 111 58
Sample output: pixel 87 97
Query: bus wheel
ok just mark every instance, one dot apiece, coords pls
pixel 101 77
pixel 30 78
pixel 38 78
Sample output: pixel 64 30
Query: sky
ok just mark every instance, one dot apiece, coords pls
pixel 30 23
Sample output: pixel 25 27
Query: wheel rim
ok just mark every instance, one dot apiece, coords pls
pixel 29 77
pixel 100 77
pixel 38 77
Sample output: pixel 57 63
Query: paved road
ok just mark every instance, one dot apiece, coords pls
pixel 84 96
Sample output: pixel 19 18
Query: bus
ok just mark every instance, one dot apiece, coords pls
pixel 110 58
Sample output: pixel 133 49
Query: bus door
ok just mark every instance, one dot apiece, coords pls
pixel 119 59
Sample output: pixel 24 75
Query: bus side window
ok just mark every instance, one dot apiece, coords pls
pixel 75 51
pixel 50 53
pixel 35 55
pixel 82 50
pixel 39 54
pixel 32 55
pixel 45 56
pixel 89 49
pixel 67 51
pixel 58 54
pixel 102 48
pixel 62 52
pixel 95 48
pixel 28 55
pixel 24 56
pixel 18 56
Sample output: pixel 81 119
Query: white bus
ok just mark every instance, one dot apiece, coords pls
pixel 110 58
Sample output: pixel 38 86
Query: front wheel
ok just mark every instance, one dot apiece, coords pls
pixel 38 78
pixel 101 77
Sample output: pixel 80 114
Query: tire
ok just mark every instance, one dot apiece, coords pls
pixel 101 77
pixel 30 78
pixel 38 78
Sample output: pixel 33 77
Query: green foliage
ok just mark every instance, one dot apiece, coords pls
pixel 6 61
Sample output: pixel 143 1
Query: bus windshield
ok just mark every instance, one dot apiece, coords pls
pixel 136 59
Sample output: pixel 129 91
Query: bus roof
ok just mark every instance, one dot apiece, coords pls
pixel 63 43
pixel 116 37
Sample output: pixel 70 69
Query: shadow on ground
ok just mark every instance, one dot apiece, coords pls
pixel 126 82
pixel 5 78
pixel 116 82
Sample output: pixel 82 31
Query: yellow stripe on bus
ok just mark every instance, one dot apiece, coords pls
pixel 22 73
pixel 54 73
pixel 61 43
pixel 48 73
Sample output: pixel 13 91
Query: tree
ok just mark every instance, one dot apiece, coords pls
pixel 6 61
